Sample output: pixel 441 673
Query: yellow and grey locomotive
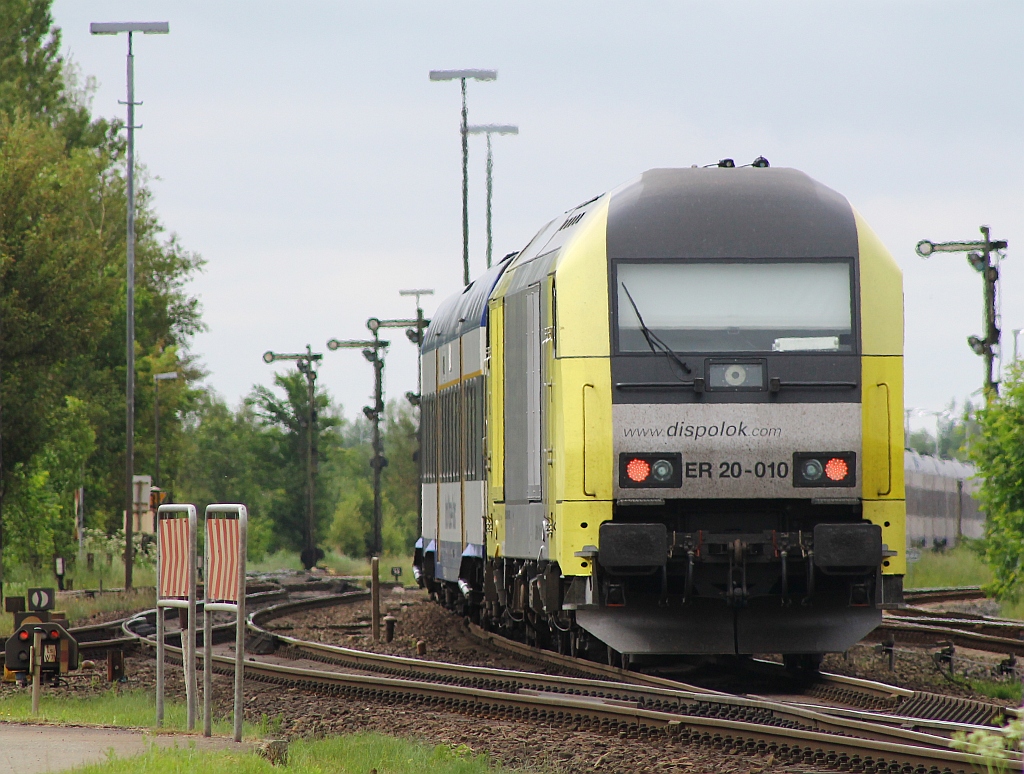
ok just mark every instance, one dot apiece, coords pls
pixel 672 424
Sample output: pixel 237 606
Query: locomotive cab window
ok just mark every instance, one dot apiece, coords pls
pixel 736 306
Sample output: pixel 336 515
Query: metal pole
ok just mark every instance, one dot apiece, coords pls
pixel 189 643
pixel 160 657
pixel 375 598
pixel 156 430
pixel 37 666
pixel 160 630
pixel 240 624
pixel 378 450
pixel 490 170
pixel 959 510
pixel 421 324
pixel 130 332
pixel 991 276
pixel 207 657
pixel 465 187
pixel 307 368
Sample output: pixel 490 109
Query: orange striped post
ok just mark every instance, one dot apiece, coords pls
pixel 224 568
pixel 176 587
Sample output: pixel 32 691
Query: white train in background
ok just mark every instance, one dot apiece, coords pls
pixel 941 501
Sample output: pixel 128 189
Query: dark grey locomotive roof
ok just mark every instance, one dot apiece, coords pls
pixel 464 312
pixel 721 212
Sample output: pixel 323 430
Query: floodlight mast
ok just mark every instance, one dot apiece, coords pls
pixel 114 28
pixel 488 130
pixel 462 76
pixel 305 362
pixel 980 262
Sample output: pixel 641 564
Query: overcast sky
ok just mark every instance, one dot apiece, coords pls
pixel 302 151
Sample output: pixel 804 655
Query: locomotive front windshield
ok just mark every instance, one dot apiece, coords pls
pixel 736 306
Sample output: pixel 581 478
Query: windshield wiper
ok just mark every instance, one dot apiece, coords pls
pixel 656 344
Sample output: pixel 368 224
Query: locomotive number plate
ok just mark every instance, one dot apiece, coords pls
pixel 727 469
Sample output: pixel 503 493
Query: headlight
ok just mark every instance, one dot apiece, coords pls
pixel 654 471
pixel 824 469
pixel 662 471
pixel 812 470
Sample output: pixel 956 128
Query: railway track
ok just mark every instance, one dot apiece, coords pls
pixel 942 594
pixel 632 705
pixel 914 625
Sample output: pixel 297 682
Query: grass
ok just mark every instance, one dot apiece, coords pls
pixel 350 754
pixel 134 708
pixel 102 575
pixel 1006 691
pixel 338 564
pixel 959 566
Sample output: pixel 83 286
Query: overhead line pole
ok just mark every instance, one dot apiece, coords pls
pixel 488 130
pixel 463 76
pixel 113 28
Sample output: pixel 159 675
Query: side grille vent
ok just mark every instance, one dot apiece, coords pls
pixel 572 221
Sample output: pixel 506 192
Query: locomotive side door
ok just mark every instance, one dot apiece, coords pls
pixel 524 424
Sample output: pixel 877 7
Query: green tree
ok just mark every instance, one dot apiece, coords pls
pixel 998 452
pixel 39 517
pixel 285 425
pixel 401 480
pixel 228 457
pixel 352 526
pixel 62 286
pixel 37 82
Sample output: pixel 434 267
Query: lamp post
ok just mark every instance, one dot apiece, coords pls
pixel 980 258
pixel 306 362
pixel 488 130
pixel 372 352
pixel 114 28
pixel 157 378
pixel 462 76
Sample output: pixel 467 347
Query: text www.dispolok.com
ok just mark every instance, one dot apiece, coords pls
pixel 724 430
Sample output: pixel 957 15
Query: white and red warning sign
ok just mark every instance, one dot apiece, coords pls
pixel 226 543
pixel 223 548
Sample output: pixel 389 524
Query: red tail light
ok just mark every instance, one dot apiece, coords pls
pixel 638 470
pixel 836 469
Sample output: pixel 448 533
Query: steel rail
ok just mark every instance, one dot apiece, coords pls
pixel 676 697
pixel 928 634
pixel 789 744
pixel 996 627
pixel 943 594
pixel 909 708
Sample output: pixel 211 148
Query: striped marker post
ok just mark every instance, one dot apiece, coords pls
pixel 176 587
pixel 224 581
